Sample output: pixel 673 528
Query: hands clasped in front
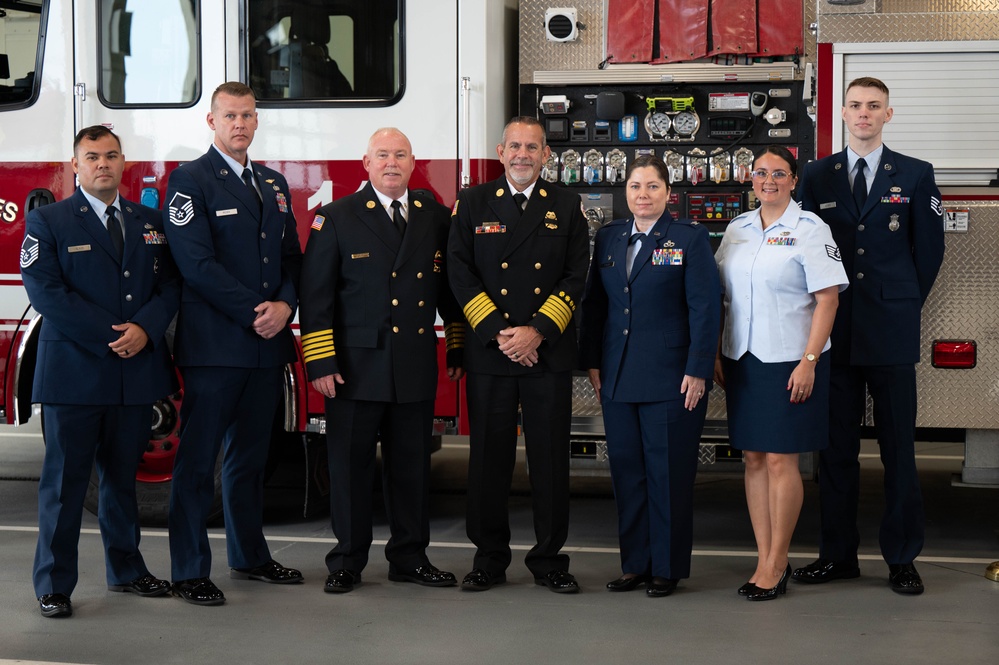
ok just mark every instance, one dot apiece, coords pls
pixel 131 340
pixel 520 344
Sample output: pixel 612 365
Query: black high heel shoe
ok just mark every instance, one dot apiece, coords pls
pixel 769 594
pixel 747 588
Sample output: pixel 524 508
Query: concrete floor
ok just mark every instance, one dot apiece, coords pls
pixel 856 621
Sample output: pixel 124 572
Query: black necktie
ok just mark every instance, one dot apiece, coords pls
pixel 397 218
pixel 114 231
pixel 635 237
pixel 248 179
pixel 860 185
pixel 520 199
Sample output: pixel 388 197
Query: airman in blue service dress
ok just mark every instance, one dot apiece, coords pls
pixel 511 269
pixel 96 404
pixel 892 249
pixel 645 332
pixel 370 298
pixel 235 250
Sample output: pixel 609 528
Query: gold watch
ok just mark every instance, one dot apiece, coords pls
pixel 811 357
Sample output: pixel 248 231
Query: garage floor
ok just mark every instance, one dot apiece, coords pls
pixel 855 621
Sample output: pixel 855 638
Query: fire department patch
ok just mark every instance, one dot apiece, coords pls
pixel 181 209
pixel 29 251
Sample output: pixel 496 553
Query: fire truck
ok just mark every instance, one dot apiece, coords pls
pixel 703 84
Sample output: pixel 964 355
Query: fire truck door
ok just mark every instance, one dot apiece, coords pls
pixel 147 70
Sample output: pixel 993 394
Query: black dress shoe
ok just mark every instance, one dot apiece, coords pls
pixel 747 589
pixel 271 572
pixel 199 591
pixel 559 581
pixel 342 581
pixel 627 583
pixel 660 587
pixel 825 570
pixel 55 605
pixel 904 579
pixel 480 580
pixel 147 586
pixel 778 589
pixel 427 575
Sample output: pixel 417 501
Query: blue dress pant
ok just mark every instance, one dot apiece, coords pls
pixel 652 448
pixel 78 438
pixel 231 408
pixel 893 390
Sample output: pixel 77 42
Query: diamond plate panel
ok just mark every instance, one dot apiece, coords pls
pixel 539 54
pixel 964 304
pixel 911 27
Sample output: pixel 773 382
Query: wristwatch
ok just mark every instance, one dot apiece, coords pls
pixel 811 357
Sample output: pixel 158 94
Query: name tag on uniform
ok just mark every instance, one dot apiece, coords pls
pixel 78 248
pixel 826 206
pixel 225 213
pixel 360 256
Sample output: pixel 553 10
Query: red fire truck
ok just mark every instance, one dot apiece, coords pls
pixel 609 79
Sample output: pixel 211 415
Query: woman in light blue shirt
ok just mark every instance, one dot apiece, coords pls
pixel 781 276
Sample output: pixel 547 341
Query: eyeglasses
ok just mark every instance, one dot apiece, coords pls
pixel 761 175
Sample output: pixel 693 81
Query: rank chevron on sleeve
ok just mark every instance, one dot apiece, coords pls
pixel 181 209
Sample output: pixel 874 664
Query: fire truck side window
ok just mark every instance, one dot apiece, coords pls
pixel 19 52
pixel 324 51
pixel 148 52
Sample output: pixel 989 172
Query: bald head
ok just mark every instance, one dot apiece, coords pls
pixel 389 161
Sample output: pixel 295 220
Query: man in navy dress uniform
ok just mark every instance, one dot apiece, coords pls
pixel 373 280
pixel 886 216
pixel 517 259
pixel 233 236
pixel 96 267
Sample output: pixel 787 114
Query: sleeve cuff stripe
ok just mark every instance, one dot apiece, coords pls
pixel 318 335
pixel 314 347
pixel 310 357
pixel 478 309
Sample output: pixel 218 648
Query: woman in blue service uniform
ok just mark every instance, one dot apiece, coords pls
pixel 781 276
pixel 649 336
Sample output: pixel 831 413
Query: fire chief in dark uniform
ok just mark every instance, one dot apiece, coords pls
pixel 96 267
pixel 232 230
pixel 373 280
pixel 517 260
pixel 886 216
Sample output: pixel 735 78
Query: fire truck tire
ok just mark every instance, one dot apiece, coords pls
pixel 154 498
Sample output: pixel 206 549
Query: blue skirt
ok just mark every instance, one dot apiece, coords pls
pixel 762 417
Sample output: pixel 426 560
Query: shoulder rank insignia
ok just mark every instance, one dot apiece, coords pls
pixel 29 251
pixel 181 209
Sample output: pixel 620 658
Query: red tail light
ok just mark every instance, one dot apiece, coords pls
pixel 955 353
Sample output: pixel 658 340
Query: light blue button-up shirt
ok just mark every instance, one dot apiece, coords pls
pixel 768 278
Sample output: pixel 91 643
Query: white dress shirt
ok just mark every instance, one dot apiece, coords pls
pixel 768 278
